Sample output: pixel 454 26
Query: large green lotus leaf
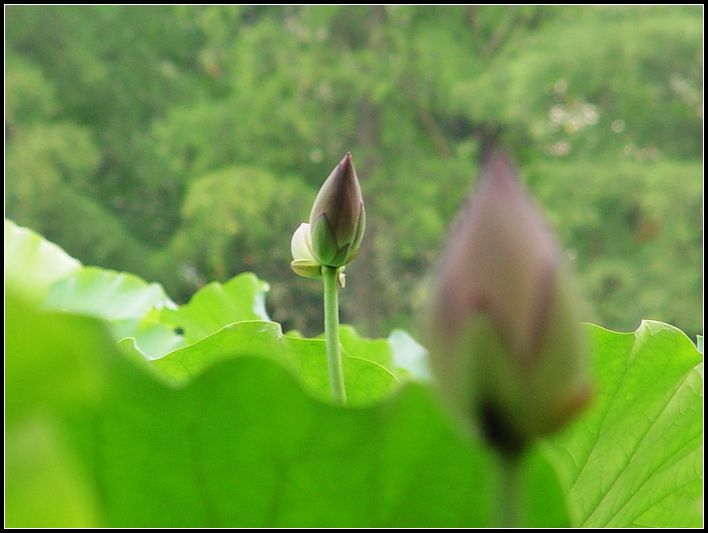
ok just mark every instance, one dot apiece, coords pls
pixel 365 381
pixel 33 264
pixel 49 372
pixel 46 485
pixel 240 445
pixel 105 294
pixel 215 306
pixel 31 367
pixel 635 457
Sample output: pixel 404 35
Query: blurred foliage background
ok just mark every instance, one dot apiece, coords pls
pixel 186 144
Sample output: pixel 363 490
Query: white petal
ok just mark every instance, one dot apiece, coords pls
pixel 300 243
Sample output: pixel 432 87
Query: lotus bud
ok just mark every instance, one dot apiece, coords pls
pixel 507 345
pixel 337 219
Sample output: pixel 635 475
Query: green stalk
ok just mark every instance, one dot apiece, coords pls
pixel 509 493
pixel 331 312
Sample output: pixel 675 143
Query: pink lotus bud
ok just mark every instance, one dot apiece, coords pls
pixel 507 345
pixel 338 219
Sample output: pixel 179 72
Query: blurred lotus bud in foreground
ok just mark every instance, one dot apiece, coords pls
pixel 337 219
pixel 507 346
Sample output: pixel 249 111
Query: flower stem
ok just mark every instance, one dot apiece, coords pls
pixel 509 493
pixel 331 312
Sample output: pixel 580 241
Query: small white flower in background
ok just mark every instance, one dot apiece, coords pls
pixel 304 263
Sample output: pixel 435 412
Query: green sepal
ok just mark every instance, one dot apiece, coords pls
pixel 307 268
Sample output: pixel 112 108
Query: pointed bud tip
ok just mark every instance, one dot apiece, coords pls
pixel 497 165
pixel 346 161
